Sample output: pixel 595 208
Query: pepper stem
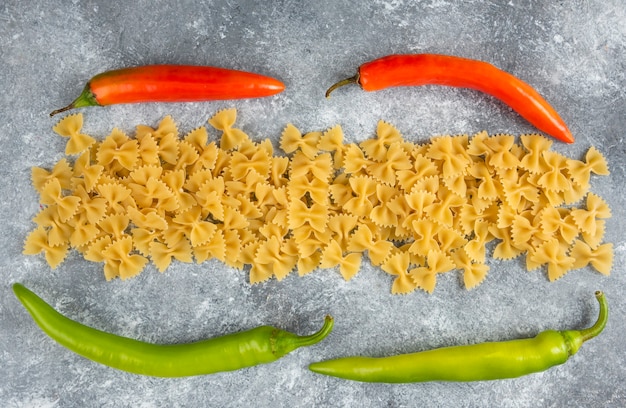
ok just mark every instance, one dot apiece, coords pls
pixel 603 316
pixel 86 98
pixel 302 341
pixel 347 81
pixel 284 342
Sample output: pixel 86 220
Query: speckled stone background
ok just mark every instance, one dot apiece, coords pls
pixel 573 52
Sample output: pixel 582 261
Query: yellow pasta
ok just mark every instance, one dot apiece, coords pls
pixel 119 261
pixel 70 127
pixel 450 151
pixel 413 210
pixel 333 255
pixel 398 266
pixel 37 242
pixel 552 253
pixel 601 258
pixel 52 193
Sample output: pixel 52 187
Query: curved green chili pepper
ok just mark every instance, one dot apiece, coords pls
pixel 260 345
pixel 485 361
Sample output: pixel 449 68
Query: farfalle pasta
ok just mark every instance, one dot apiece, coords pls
pixel 416 211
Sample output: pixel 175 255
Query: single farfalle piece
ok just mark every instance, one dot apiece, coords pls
pixel 188 155
pixel 355 160
pixel 501 156
pixel 166 126
pixel 117 148
pixel 316 189
pixel 474 273
pixel 450 239
pixel 558 221
pixel 224 121
pixel 386 134
pixel 586 218
pixel 552 254
pixel 443 209
pixel 505 248
pixel 381 214
pixel 169 149
pixel 555 178
pixel 396 160
pixel 315 216
pixel 422 168
pixel 417 201
pixel 62 172
pixel 37 242
pixel 213 248
pixel 332 141
pixel 601 258
pixel 535 145
pixel 59 232
pixel 241 165
pixel 67 205
pixel 333 255
pixel 84 232
pixel 118 196
pixel 115 225
pixel 210 197
pixel 277 255
pixel 93 208
pixel 524 229
pixel 363 240
pixel 451 152
pixel 580 171
pixel 88 172
pixel 476 247
pixel 518 191
pixel 425 278
pixel 182 200
pixel 197 230
pixel 198 138
pixel 341 226
pixel 148 218
pixel 70 127
pixel 320 167
pixel 487 187
pixel 425 236
pixel 233 219
pixel 292 140
pixel 162 254
pixel 398 265
pixel 363 188
pixel 120 261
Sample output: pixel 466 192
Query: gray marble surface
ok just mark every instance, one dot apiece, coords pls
pixel 573 52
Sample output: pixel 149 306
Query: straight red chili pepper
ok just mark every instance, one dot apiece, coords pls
pixel 173 83
pixel 433 69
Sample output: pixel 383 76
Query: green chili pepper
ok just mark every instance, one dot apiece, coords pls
pixel 485 361
pixel 260 345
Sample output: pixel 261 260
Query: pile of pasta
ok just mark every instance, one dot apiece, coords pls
pixel 414 210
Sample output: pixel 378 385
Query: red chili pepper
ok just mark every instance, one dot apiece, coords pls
pixel 432 69
pixel 172 83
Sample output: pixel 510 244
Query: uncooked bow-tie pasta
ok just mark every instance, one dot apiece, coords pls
pixel 416 211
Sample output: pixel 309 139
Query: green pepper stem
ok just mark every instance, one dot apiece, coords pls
pixel 86 98
pixel 347 81
pixel 302 341
pixel 603 316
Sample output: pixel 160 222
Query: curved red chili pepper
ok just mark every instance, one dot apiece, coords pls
pixel 433 69
pixel 173 83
